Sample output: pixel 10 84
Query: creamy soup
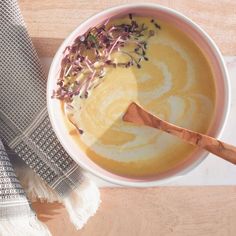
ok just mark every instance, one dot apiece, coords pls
pixel 176 84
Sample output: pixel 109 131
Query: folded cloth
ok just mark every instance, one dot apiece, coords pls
pixel 25 125
pixel 16 215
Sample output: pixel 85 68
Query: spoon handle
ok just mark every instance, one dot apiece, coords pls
pixel 138 115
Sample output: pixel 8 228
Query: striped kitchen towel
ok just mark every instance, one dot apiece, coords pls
pixel 25 125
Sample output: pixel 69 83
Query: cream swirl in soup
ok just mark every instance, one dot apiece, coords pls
pixel 176 84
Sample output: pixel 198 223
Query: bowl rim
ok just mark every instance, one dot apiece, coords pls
pixel 225 76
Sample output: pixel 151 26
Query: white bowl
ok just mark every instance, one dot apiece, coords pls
pixel 198 36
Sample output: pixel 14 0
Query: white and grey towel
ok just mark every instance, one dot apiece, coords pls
pixel 25 127
pixel 17 217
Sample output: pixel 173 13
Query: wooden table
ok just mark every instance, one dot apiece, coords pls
pixel 137 212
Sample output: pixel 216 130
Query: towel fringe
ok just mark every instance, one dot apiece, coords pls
pixel 35 188
pixel 23 226
pixel 82 203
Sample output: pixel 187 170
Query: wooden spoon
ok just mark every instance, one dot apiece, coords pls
pixel 138 115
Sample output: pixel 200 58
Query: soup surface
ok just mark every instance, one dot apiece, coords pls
pixel 176 84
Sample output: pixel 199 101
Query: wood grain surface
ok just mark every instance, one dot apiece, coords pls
pixel 163 211
pixel 50 21
pixel 159 211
